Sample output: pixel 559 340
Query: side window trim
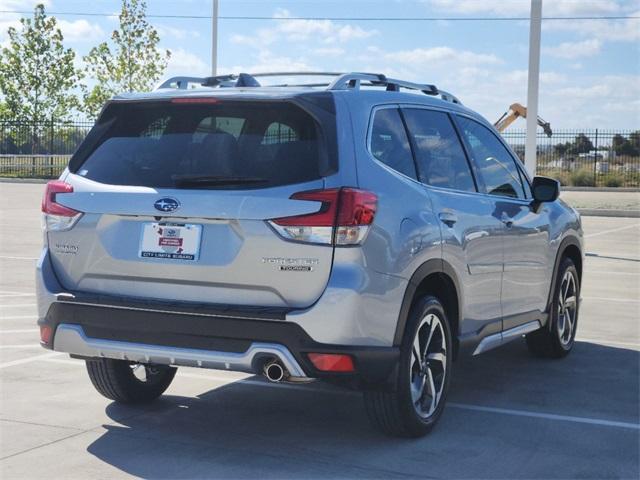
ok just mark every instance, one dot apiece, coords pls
pixel 474 175
pixel 515 161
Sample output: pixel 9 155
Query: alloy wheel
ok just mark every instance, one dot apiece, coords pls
pixel 567 308
pixel 428 366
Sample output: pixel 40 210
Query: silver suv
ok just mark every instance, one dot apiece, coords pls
pixel 364 232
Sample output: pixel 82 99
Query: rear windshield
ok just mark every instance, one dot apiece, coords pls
pixel 234 145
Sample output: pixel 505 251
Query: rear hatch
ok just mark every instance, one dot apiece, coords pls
pixel 176 197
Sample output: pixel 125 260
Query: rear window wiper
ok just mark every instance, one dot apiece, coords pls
pixel 211 180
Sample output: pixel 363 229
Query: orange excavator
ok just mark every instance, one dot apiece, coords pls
pixel 516 110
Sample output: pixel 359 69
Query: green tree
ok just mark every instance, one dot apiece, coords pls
pixel 581 144
pixel 634 140
pixel 37 74
pixel 132 63
pixel 562 148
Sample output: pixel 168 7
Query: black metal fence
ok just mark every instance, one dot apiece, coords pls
pixel 585 158
pixel 39 149
pixel 576 157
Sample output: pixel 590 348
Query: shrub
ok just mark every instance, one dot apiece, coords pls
pixel 613 180
pixel 582 178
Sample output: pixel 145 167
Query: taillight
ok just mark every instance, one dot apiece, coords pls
pixel 57 216
pixel 46 332
pixel 344 217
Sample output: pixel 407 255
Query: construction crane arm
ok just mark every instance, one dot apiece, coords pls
pixel 515 111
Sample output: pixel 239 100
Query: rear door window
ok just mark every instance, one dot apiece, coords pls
pixel 440 158
pixel 389 142
pixel 193 145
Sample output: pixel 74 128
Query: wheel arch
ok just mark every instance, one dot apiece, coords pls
pixel 569 248
pixel 437 277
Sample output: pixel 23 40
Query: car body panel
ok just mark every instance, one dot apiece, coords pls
pixel 354 295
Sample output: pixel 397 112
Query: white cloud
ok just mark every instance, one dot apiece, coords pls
pixel 186 63
pixel 267 61
pixel 505 8
pixel 81 31
pixel 325 31
pixel 177 33
pixel 627 30
pixel 571 50
pixel 22 5
pixel 329 51
pixel 429 56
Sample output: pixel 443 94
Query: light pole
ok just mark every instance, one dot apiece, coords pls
pixel 214 38
pixel 533 85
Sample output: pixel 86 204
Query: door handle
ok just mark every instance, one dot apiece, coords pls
pixel 448 218
pixel 506 219
pixel 508 222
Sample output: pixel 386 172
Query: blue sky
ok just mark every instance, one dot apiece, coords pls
pixel 590 68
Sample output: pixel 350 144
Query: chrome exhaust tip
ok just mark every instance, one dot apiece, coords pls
pixel 274 371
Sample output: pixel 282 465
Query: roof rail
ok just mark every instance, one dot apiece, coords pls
pixel 344 81
pixel 355 80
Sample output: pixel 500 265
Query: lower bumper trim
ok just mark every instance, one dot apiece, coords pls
pixel 70 338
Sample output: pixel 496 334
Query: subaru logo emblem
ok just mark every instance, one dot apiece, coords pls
pixel 167 204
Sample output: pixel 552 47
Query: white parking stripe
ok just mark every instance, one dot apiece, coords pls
pixel 24 330
pixel 613 230
pixel 609 342
pixel 5 257
pixel 609 272
pixel 16 317
pixel 463 406
pixel 16 294
pixel 29 359
pixel 20 347
pixel 19 305
pixel 609 299
pixel 546 416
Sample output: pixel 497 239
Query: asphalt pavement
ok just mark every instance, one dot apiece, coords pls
pixel 509 415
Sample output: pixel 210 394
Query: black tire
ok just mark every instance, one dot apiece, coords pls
pixel 116 380
pixel 552 340
pixel 393 411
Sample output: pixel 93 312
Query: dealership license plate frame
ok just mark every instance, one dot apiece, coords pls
pixel 170 241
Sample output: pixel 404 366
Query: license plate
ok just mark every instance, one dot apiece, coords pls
pixel 170 240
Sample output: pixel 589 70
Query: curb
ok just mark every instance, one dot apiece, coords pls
pixel 599 189
pixel 595 212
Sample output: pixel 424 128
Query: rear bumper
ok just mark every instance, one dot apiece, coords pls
pixel 200 336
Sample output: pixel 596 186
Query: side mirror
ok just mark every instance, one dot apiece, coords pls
pixel 545 189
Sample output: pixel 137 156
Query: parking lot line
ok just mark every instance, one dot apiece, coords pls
pixel 19 305
pixel 609 299
pixel 546 416
pixel 29 359
pixel 23 330
pixel 612 230
pixel 19 347
pixel 609 342
pixel 462 406
pixel 16 294
pixel 5 257
pixel 591 271
pixel 17 317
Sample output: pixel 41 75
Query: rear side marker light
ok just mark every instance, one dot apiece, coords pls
pixel 344 218
pixel 46 332
pixel 57 217
pixel 332 362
